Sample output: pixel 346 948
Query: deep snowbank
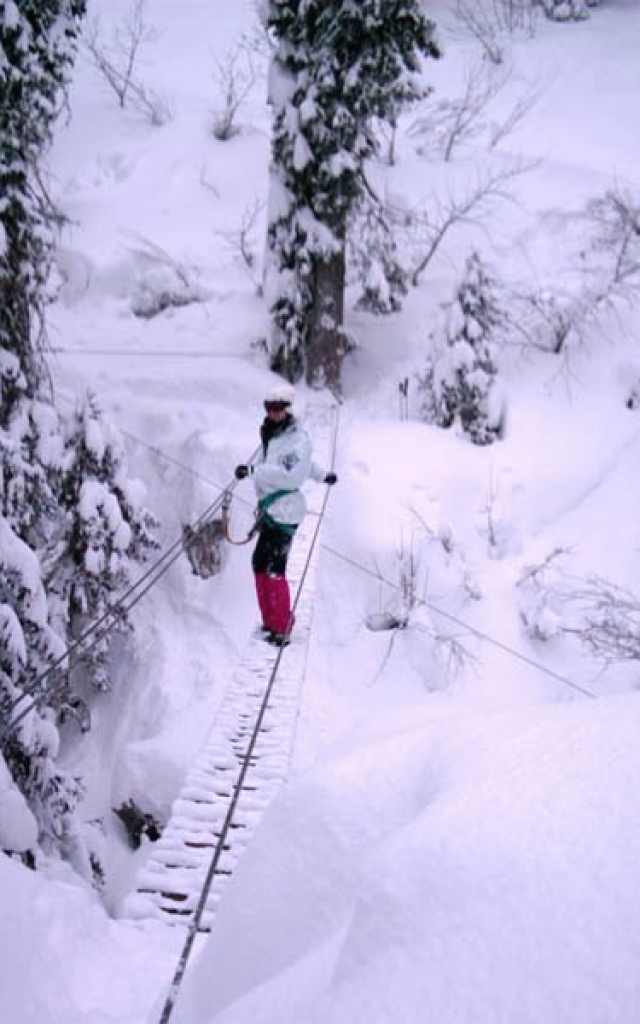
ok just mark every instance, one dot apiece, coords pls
pixel 457 869
pixel 63 960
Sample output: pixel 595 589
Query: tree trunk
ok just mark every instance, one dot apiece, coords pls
pixel 289 363
pixel 326 345
pixel 15 323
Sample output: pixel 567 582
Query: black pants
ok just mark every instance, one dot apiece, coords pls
pixel 272 550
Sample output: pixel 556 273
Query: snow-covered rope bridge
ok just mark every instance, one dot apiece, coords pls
pixel 247 754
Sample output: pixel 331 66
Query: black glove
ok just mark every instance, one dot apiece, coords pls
pixel 330 479
pixel 242 471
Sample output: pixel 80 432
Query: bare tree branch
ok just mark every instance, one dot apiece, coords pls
pixel 523 106
pixel 607 266
pixel 448 123
pixel 117 61
pixel 535 571
pixel 615 246
pixel 470 208
pixel 207 183
pixel 489 21
pixel 611 626
pixel 242 242
pixel 235 75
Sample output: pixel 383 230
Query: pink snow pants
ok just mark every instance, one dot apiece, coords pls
pixel 274 601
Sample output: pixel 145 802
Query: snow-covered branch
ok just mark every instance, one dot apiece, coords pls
pixel 610 627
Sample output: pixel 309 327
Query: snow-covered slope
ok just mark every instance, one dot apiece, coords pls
pixel 463 849
pixel 456 867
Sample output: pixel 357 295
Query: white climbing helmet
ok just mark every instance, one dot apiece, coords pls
pixel 284 393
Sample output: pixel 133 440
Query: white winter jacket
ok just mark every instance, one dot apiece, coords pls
pixel 285 467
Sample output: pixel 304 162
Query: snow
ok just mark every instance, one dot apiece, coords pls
pixel 15 556
pixel 440 895
pixel 64 960
pixel 459 837
pixel 11 15
pixel 302 154
pixel 18 827
pixel 13 637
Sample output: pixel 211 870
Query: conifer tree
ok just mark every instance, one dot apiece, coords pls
pixel 37 46
pixel 373 258
pixel 462 383
pixel 107 530
pixel 28 649
pixel 38 40
pixel 338 66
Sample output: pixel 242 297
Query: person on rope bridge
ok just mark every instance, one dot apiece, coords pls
pixel 283 465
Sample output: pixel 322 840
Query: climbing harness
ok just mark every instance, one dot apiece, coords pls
pixel 262 514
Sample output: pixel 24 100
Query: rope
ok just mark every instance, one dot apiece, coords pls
pixel 178 976
pixel 240 543
pixel 225 526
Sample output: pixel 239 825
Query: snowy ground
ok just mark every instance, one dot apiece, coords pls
pixel 459 839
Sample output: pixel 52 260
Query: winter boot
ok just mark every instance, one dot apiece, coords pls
pixel 278 639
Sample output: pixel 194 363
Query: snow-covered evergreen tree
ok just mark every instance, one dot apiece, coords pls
pixel 107 530
pixel 30 462
pixel 30 449
pixel 90 531
pixel 373 259
pixel 461 382
pixel 38 40
pixel 28 649
pixel 337 67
